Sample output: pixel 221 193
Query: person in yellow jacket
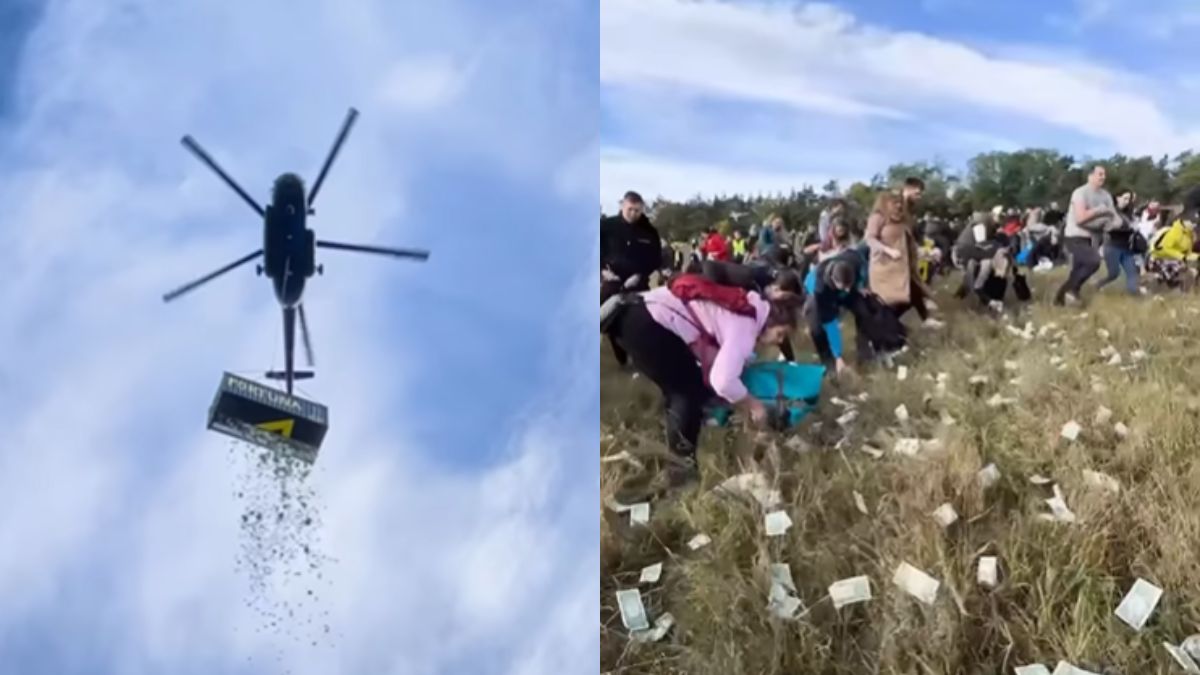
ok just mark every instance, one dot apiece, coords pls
pixel 1171 253
pixel 738 244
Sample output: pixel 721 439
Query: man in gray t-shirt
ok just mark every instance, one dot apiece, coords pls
pixel 1090 213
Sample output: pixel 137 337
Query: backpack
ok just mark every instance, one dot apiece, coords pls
pixel 690 287
pixel 790 391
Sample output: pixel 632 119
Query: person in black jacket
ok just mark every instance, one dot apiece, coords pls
pixel 630 250
pixel 1119 255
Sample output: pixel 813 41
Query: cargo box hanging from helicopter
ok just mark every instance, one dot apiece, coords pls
pixel 268 417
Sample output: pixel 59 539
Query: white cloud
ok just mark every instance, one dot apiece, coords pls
pixel 106 468
pixel 423 85
pixel 818 57
pixel 623 169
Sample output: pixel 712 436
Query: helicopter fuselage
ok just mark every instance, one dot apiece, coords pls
pixel 289 246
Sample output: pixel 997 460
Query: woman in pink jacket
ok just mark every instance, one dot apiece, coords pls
pixel 693 350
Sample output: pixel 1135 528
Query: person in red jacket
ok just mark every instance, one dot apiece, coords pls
pixel 715 247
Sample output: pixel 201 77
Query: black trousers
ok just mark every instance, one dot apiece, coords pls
pixel 862 343
pixel 666 360
pixel 609 289
pixel 916 300
pixel 1085 262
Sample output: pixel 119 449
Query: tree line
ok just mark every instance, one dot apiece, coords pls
pixel 1021 179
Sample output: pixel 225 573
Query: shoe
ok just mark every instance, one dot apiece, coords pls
pixel 934 323
pixel 1071 300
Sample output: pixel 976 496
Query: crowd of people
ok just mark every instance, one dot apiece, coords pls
pixel 726 294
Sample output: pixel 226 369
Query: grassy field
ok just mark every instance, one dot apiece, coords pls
pixel 1059 583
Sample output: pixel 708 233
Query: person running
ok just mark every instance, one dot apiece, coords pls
pixel 630 251
pixel 892 270
pixel 693 350
pixel 768 238
pixel 1090 213
pixel 1118 246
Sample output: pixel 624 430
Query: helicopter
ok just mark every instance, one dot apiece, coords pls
pixel 289 248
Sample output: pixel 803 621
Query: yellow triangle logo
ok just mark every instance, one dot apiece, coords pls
pixel 281 427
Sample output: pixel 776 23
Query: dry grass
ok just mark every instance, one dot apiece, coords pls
pixel 1059 583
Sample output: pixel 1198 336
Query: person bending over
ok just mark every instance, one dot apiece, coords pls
pixel 694 349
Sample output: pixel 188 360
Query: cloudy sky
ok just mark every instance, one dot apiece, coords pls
pixel 459 475
pixel 710 96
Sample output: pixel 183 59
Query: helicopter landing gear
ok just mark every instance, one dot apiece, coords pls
pixel 258 269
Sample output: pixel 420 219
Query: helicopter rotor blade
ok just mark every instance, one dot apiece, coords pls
pixel 337 146
pixel 413 254
pixel 191 144
pixel 308 350
pixel 209 277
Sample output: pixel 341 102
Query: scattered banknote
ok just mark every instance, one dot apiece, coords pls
pixel 754 485
pixel 1101 480
pixel 1054 361
pixel 651 574
pixel 1034 669
pixel 902 373
pixel 661 625
pixel 1070 430
pixel 1191 645
pixel 1138 355
pixel 797 444
pixel 639 514
pixel 1058 508
pixel 633 612
pixel 945 515
pixel 781 573
pixel 874 452
pixel 783 604
pixel 699 541
pixel 988 476
pixel 1011 365
pixel 777 523
pixel 916 583
pixel 1102 334
pixel 978 379
pixel 943 377
pixel 908 446
pixel 1114 360
pixel 1064 668
pixel 847 418
pixel 1121 430
pixel 987 572
pixel 1103 415
pixel 849 591
pixel 901 413
pixel 841 402
pixel 1139 603
pixel 861 503
pixel 1038 479
pixel 947 420
pixel 1184 659
pixel 1108 351
pixel 997 401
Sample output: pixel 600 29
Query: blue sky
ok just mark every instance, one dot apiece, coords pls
pixel 459 475
pixel 715 96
